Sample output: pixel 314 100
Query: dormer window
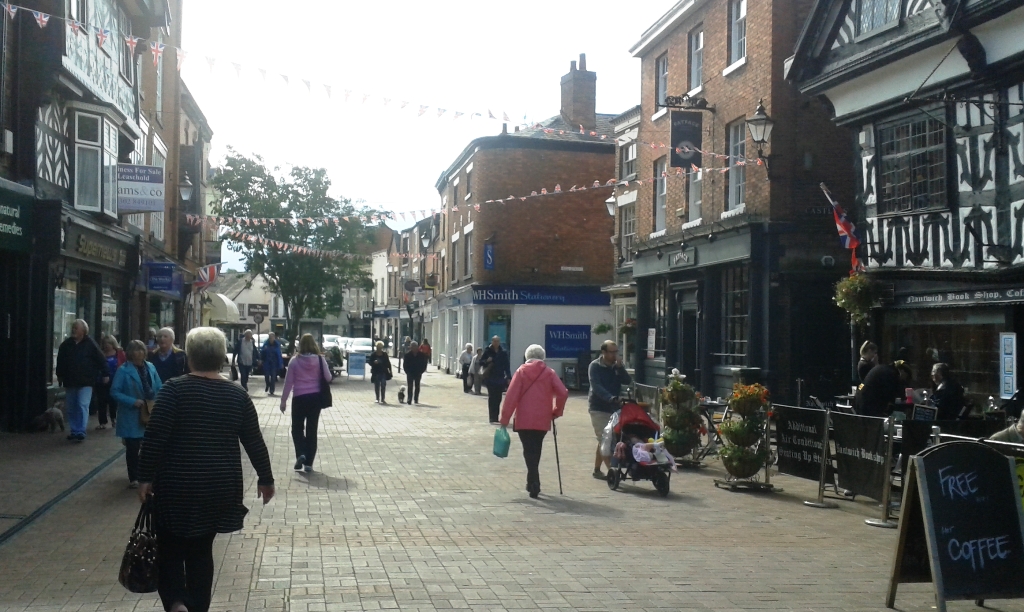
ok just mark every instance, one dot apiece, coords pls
pixel 873 14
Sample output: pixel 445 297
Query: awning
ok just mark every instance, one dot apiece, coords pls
pixel 222 309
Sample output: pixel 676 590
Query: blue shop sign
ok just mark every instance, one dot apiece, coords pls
pixel 488 256
pixel 566 341
pixel 541 296
pixel 161 277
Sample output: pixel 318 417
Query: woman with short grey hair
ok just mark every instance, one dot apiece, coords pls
pixel 466 360
pixel 536 396
pixel 191 460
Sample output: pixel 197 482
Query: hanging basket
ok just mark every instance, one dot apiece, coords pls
pixel 743 462
pixel 744 432
pixel 680 443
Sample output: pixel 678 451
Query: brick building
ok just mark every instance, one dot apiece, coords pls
pixel 517 268
pixel 732 270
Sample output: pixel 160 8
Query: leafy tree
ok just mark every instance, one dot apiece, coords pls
pixel 309 286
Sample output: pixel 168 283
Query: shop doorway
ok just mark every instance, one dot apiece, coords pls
pixel 88 304
pixel 688 342
pixel 498 323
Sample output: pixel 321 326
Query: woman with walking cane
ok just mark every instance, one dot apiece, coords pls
pixel 536 396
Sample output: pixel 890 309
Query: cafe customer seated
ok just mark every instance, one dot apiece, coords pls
pixel 947 394
pixel 883 386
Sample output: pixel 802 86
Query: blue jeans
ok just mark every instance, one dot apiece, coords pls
pixel 270 375
pixel 243 374
pixel 76 402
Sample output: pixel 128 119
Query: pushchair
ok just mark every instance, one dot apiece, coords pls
pixel 634 422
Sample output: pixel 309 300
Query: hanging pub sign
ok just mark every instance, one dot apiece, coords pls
pixel 161 277
pixel 687 127
pixel 140 188
pixel 961 525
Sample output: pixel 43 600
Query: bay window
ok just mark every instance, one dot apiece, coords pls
pixel 96 142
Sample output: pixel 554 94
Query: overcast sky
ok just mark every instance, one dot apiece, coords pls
pixel 460 55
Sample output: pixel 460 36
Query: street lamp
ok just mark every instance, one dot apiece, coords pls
pixel 760 126
pixel 185 189
pixel 425 240
pixel 610 203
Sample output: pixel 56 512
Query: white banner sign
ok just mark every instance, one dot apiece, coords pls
pixel 140 188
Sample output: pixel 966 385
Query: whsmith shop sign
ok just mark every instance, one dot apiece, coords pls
pixel 541 296
pixel 963 297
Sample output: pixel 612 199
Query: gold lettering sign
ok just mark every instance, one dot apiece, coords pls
pixel 89 248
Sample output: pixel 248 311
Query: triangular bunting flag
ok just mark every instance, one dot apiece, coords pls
pixel 181 58
pixel 102 35
pixel 132 42
pixel 11 10
pixel 41 18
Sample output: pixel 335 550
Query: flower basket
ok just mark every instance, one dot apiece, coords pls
pixel 743 462
pixel 745 432
pixel 747 400
pixel 680 416
pixel 857 294
pixel 680 443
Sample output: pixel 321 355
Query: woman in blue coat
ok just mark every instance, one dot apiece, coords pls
pixel 134 382
pixel 273 363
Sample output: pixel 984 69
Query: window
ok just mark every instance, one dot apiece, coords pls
pixel 110 142
pixel 696 58
pixel 469 189
pixel 628 160
pixel 735 316
pixel 661 80
pixel 626 312
pixel 627 230
pixel 277 303
pixel 96 142
pixel 695 195
pixel 127 57
pixel 160 82
pixel 455 195
pixel 468 259
pixel 241 311
pixel 455 262
pixel 737 31
pixel 913 165
pixel 76 11
pixel 658 317
pixel 736 195
pixel 156 219
pixel 660 191
pixel 873 14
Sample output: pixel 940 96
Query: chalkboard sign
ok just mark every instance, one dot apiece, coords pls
pixel 571 376
pixel 800 436
pixel 924 413
pixel 961 525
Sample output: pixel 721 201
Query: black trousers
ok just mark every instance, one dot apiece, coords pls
pixel 380 387
pixel 412 387
pixel 494 401
pixel 305 418
pixel 104 403
pixel 243 372
pixel 466 382
pixel 185 566
pixel 533 444
pixel 132 446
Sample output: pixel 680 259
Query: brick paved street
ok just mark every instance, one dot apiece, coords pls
pixel 408 510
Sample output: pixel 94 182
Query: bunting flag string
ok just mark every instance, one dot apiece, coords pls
pixel 291 248
pixel 198 220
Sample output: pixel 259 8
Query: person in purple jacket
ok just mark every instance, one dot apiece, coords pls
pixel 305 371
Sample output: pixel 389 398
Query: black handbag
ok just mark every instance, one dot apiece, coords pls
pixel 326 400
pixel 138 566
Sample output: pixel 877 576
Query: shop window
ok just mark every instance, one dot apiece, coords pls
pixel 735 316
pixel 737 31
pixel 660 193
pixel 913 165
pixel 737 185
pixel 625 332
pixel 628 167
pixel 65 311
pixel 873 14
pixel 110 312
pixel 658 317
pixel 497 323
pixel 696 57
pixel 661 80
pixel 627 230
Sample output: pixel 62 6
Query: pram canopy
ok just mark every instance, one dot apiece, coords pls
pixel 633 414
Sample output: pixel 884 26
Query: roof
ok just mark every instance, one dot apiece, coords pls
pixel 231 284
pixel 383 236
pixel 664 26
pixel 557 128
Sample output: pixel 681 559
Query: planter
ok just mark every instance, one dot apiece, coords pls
pixel 680 443
pixel 743 462
pixel 742 433
pixel 745 407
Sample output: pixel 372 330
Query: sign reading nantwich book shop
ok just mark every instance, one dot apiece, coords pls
pixel 961 525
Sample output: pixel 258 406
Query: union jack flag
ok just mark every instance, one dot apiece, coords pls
pixel 76 27
pixel 132 42
pixel 158 50
pixel 847 230
pixel 11 10
pixel 41 18
pixel 102 34
pixel 206 276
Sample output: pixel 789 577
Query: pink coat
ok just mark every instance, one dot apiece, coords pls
pixel 536 396
pixel 304 375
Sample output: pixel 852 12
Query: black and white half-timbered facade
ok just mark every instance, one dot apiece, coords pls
pixel 933 91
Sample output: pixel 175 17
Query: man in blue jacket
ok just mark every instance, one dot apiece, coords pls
pixel 273 362
pixel 607 374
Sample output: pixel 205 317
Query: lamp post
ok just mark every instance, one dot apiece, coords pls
pixel 610 204
pixel 760 127
pixel 185 188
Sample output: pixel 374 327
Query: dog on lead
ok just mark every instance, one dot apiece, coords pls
pixel 49 420
pixel 401 394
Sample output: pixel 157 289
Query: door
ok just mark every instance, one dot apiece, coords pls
pixel 688 343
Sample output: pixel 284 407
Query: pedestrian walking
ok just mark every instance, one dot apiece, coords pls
pixel 273 362
pixel 380 371
pixel 426 352
pixel 191 461
pixel 169 360
pixel 245 357
pixel 536 397
pixel 104 402
pixel 403 351
pixel 135 383
pixel 305 371
pixel 415 365
pixel 607 374
pixel 80 363
pixel 495 374
pixel 474 369
pixel 466 360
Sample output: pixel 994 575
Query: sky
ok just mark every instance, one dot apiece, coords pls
pixel 460 55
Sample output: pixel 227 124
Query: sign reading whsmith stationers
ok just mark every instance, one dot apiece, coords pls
pixel 15 223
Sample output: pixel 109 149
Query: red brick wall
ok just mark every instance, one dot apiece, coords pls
pixel 535 238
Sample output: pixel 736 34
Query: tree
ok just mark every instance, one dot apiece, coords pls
pixel 309 286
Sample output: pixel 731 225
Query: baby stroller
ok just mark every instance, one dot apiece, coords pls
pixel 634 423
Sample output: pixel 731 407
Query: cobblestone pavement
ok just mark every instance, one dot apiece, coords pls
pixel 408 510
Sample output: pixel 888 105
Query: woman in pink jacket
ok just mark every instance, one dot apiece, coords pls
pixel 305 371
pixel 536 396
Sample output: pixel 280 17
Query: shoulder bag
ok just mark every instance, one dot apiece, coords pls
pixel 138 565
pixel 146 410
pixel 326 400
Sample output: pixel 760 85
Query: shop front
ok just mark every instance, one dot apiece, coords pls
pixel 623 298
pixel 16 304
pixel 161 297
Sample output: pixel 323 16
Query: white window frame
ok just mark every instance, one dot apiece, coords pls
pixel 695 195
pixel 737 187
pixel 627 231
pixel 104 147
pixel 467 264
pixel 660 80
pixel 628 168
pixel 737 31
pixel 697 58
pixel 660 194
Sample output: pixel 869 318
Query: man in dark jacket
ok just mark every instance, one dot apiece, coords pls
pixel 883 385
pixel 415 366
pixel 607 374
pixel 948 394
pixel 80 363
pixel 169 360
pixel 496 372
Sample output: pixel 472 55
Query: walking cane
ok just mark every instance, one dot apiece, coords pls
pixel 558 464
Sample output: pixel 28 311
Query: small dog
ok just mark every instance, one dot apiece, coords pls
pixel 401 394
pixel 50 420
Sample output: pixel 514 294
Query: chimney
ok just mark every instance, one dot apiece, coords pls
pixel 579 95
pixel 504 128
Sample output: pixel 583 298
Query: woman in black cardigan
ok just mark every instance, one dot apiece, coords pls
pixel 191 463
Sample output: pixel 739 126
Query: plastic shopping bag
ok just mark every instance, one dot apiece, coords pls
pixel 608 437
pixel 502 442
